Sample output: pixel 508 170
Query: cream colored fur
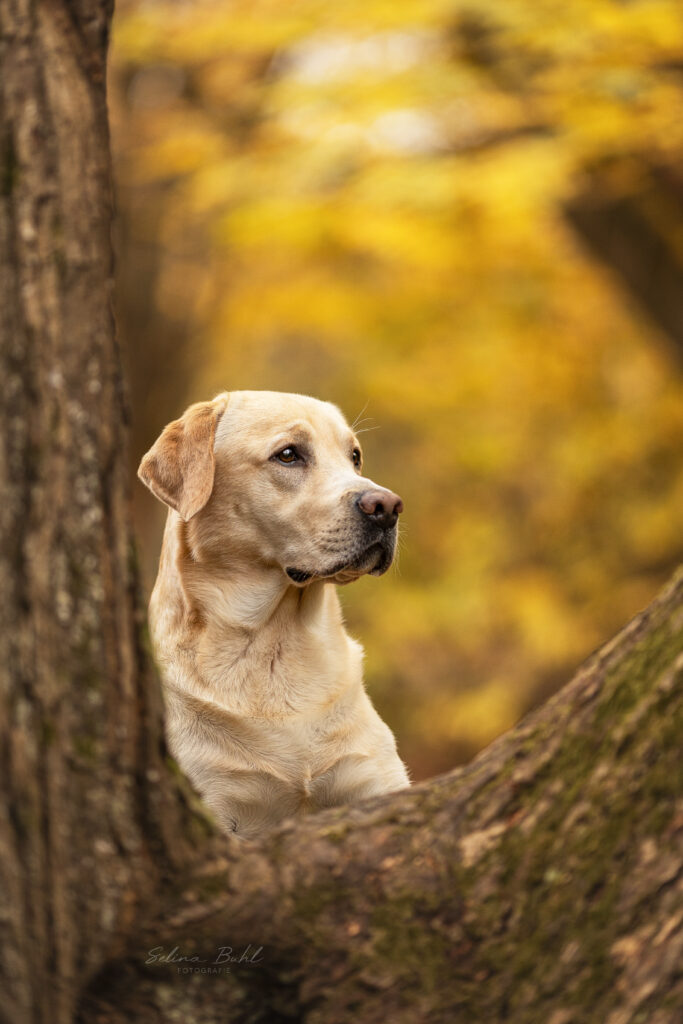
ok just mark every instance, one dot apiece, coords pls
pixel 266 708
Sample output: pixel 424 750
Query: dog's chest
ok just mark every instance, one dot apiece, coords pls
pixel 274 723
pixel 280 678
pixel 299 748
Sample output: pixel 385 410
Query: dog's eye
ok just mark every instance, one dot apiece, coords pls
pixel 357 457
pixel 287 455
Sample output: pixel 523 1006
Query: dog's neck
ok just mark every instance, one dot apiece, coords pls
pixel 233 590
pixel 260 622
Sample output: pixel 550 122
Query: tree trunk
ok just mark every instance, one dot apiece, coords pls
pixel 541 883
pixel 80 713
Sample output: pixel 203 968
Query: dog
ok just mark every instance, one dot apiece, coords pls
pixel 266 710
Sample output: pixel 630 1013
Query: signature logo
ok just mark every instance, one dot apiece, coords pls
pixel 191 963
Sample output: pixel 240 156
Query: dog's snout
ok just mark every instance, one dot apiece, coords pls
pixel 382 507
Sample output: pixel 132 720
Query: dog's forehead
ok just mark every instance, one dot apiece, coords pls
pixel 261 414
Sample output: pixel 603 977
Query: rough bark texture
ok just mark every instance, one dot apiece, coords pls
pixel 541 883
pixel 80 722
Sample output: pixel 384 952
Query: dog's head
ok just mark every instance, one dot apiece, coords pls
pixel 275 479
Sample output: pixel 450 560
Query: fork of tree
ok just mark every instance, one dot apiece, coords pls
pixel 540 883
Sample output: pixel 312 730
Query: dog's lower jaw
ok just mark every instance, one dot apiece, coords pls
pixel 372 561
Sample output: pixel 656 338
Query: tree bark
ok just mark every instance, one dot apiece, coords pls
pixel 80 716
pixel 541 883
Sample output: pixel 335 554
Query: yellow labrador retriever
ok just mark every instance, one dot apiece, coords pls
pixel 268 509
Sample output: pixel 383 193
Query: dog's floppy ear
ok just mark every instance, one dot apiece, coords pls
pixel 179 467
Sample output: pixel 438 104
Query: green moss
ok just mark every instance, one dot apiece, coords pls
pixel 549 872
pixel 85 747
pixel 311 902
pixel 407 945
pixel 174 768
pixel 48 732
pixel 625 683
pixel 338 834
pixel 201 823
pixel 60 262
pixel 9 167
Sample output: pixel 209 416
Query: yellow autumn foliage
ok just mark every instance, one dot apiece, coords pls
pixel 366 202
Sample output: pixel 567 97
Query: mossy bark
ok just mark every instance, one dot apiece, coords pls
pixel 541 883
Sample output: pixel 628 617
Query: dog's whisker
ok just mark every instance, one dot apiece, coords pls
pixel 358 418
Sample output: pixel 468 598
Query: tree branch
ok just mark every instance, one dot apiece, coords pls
pixel 542 882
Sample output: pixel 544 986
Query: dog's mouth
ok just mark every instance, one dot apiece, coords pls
pixel 373 560
pixel 299 575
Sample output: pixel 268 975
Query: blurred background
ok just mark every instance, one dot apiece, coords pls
pixel 462 222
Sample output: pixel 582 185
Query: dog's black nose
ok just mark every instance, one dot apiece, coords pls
pixel 382 507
